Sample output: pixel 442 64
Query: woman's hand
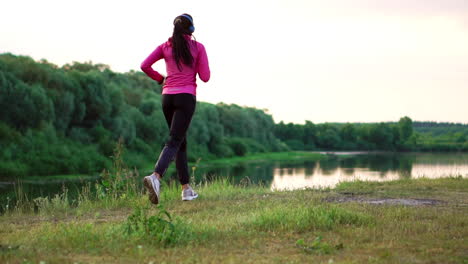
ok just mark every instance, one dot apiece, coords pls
pixel 163 81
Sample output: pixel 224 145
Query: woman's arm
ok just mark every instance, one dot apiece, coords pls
pixel 156 55
pixel 203 67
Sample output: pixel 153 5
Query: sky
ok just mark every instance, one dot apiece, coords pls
pixel 322 61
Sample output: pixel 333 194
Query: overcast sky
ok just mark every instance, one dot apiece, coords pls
pixel 323 61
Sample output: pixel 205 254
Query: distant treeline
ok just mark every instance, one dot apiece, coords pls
pixel 404 135
pixel 60 120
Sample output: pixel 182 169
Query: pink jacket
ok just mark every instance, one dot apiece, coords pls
pixel 178 81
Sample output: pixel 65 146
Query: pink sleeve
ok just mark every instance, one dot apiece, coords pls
pixel 203 67
pixel 156 55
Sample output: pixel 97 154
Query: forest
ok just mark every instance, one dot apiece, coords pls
pixel 404 135
pixel 63 120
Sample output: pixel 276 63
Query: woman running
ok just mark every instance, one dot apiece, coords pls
pixel 184 58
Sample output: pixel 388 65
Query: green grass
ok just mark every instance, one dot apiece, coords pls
pixel 272 156
pixel 408 188
pixel 232 224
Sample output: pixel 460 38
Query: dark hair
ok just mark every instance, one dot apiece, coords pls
pixel 180 46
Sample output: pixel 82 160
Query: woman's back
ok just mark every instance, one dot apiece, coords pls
pixel 180 78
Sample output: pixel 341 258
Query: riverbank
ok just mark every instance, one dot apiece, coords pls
pixel 270 156
pixel 232 224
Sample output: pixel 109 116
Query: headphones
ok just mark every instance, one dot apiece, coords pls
pixel 192 27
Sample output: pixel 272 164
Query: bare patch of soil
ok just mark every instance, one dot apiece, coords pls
pixel 391 201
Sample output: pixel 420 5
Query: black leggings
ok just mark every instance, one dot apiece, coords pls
pixel 178 110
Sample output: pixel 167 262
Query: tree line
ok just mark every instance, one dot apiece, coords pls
pixel 60 120
pixel 404 135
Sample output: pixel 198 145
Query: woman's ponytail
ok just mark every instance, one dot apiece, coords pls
pixel 180 46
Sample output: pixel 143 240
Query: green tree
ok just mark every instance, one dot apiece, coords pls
pixel 310 135
pixel 406 128
pixel 328 137
pixel 381 135
pixel 349 136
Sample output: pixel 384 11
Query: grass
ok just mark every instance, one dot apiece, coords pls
pixel 408 188
pixel 238 224
pixel 232 224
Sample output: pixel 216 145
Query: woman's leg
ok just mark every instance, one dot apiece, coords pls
pixel 182 165
pixel 181 157
pixel 178 109
pixel 168 111
pixel 151 182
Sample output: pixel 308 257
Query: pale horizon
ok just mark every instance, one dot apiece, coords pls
pixel 302 60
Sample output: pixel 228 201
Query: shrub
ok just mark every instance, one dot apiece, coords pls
pixel 238 146
pixel 8 134
pixel 295 144
pixel 13 168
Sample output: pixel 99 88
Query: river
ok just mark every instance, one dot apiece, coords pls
pixel 345 166
pixel 286 175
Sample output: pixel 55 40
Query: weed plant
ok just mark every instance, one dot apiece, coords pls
pixel 156 228
pixel 120 181
pixel 318 246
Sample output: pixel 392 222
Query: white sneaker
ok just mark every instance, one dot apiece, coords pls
pixel 189 194
pixel 152 184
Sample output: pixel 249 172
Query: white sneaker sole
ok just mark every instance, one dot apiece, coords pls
pixel 189 198
pixel 150 186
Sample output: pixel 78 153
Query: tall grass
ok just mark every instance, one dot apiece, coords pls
pixel 118 186
pixel 23 201
pixel 56 204
pixel 120 181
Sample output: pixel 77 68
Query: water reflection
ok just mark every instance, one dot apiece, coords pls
pixel 369 167
pixel 338 168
